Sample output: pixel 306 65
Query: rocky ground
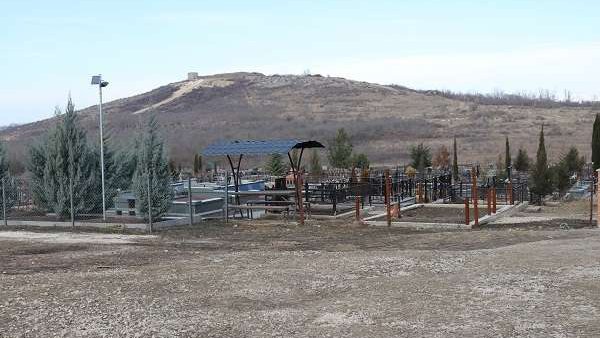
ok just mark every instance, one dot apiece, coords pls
pixel 290 281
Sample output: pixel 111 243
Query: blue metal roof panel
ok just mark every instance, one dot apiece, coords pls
pixel 251 147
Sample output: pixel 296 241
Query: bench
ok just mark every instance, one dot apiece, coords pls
pixel 274 203
pixel 249 208
pixel 306 204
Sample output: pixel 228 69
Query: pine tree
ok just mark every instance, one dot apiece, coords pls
pixel 572 161
pixel 360 161
pixel 596 143
pixel 340 150
pixel 455 162
pixel 10 186
pixel 173 169
pixel 541 178
pixel 315 163
pixel 3 162
pixel 111 174
pixel 64 164
pixel 421 157
pixel 500 172
pixel 275 165
pixel 152 168
pixel 127 162
pixel 560 176
pixel 36 165
pixel 199 165
pixel 195 165
pixel 522 161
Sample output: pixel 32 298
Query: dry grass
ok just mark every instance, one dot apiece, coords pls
pixel 383 120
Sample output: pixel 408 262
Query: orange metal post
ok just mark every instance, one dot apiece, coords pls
pixel 357 206
pixel 510 191
pixel 300 202
pixel 475 198
pixel 467 216
pixel 494 200
pixel 489 201
pixel 399 206
pixel 388 199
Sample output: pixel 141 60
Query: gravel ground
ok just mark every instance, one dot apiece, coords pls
pixel 439 215
pixel 313 281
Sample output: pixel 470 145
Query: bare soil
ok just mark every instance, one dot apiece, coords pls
pixel 242 280
pixel 439 215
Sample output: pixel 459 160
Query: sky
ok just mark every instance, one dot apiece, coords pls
pixel 50 49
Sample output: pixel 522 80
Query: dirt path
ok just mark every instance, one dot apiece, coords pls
pixel 315 281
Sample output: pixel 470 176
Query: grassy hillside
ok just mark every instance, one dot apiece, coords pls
pixel 382 120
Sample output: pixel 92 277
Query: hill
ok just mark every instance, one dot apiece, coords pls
pixel 384 121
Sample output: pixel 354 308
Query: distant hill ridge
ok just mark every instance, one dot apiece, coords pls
pixel 383 120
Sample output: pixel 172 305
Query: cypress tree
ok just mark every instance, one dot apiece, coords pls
pixel 340 150
pixel 65 159
pixel 36 165
pixel 421 157
pixel 10 186
pixel 361 161
pixel 3 162
pixel 275 165
pixel 315 163
pixel 522 161
pixel 572 161
pixel 542 184
pixel 199 165
pixel 507 158
pixel 561 177
pixel 152 168
pixel 455 162
pixel 195 165
pixel 596 143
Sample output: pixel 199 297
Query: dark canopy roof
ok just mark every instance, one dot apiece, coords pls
pixel 257 147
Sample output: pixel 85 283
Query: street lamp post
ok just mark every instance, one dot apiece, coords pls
pixel 97 80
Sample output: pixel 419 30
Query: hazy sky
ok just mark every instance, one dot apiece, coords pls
pixel 51 48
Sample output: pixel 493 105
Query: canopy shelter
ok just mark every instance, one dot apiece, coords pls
pixel 238 148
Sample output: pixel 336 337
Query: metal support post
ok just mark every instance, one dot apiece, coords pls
pixel 149 204
pixel 190 201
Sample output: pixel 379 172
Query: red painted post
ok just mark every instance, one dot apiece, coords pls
pixel 489 201
pixel 357 206
pixel 388 201
pixel 510 191
pixel 467 216
pixel 399 207
pixel 494 200
pixel 475 198
pixel 300 202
